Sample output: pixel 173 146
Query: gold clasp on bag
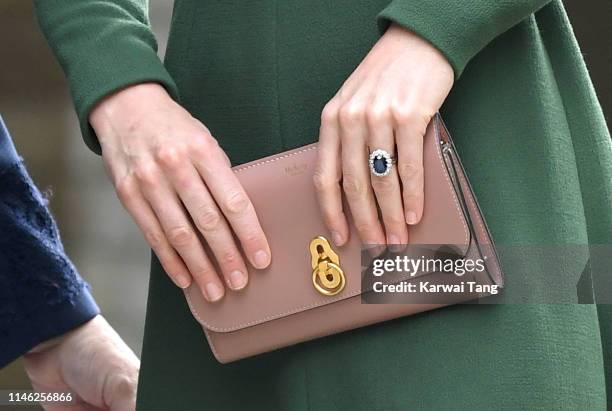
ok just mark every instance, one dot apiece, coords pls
pixel 327 276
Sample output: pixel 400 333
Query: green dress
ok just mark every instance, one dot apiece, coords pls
pixel 532 137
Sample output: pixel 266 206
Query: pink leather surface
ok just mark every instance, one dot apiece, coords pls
pixel 283 194
pixel 280 306
pixel 343 315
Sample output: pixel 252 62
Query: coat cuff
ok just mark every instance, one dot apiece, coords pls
pixel 114 50
pixel 143 67
pixel 46 323
pixel 112 70
pixel 458 28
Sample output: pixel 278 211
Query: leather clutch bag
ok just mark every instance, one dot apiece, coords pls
pixel 313 288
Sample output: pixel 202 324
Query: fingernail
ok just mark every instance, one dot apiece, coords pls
pixel 336 238
pixel 237 280
pixel 261 259
pixel 411 217
pixel 374 249
pixel 183 281
pixel 394 243
pixel 213 292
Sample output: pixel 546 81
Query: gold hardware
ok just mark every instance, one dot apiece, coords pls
pixel 327 276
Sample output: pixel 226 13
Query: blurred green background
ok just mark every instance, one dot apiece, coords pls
pixel 98 235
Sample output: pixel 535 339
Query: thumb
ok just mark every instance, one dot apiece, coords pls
pixel 119 390
pixel 100 367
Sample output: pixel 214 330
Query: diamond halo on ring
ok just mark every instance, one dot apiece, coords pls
pixel 380 162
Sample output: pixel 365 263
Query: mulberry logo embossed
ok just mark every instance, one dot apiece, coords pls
pixel 296 169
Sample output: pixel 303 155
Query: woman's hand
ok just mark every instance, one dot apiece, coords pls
pixel 386 103
pixel 92 362
pixel 177 184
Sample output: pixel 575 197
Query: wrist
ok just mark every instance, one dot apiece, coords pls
pixel 408 39
pixel 117 103
pixel 57 341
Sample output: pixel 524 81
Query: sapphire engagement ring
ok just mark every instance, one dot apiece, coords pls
pixel 381 162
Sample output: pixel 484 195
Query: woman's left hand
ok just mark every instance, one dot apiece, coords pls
pixel 386 103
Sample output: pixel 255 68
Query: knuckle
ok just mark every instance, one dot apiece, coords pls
pixel 353 186
pixel 322 181
pixel 411 198
pixel 229 258
pixel 364 227
pixel 208 219
pixel 329 113
pixel 384 185
pixel 408 170
pixel 331 218
pixel 171 156
pixel 403 114
pixel 203 272
pixel 180 236
pixel 171 266
pixel 378 113
pixel 146 173
pixel 123 385
pixel 252 238
pixel 125 189
pixel 154 238
pixel 237 202
pixel 351 113
pixel 394 220
pixel 203 145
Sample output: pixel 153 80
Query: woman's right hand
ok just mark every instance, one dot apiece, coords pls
pixel 175 181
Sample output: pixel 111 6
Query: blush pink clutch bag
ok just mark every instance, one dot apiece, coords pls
pixel 299 296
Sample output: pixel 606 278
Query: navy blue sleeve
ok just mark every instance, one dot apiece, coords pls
pixel 41 294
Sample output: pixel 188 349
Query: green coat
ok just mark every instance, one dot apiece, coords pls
pixel 527 125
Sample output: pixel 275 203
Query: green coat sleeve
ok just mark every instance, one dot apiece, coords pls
pixel 458 28
pixel 103 46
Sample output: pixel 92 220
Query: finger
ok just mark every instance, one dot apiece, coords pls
pixel 144 217
pixel 327 176
pixel 233 201
pixel 410 169
pixel 180 233
pixel 355 176
pixel 387 188
pixel 209 220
